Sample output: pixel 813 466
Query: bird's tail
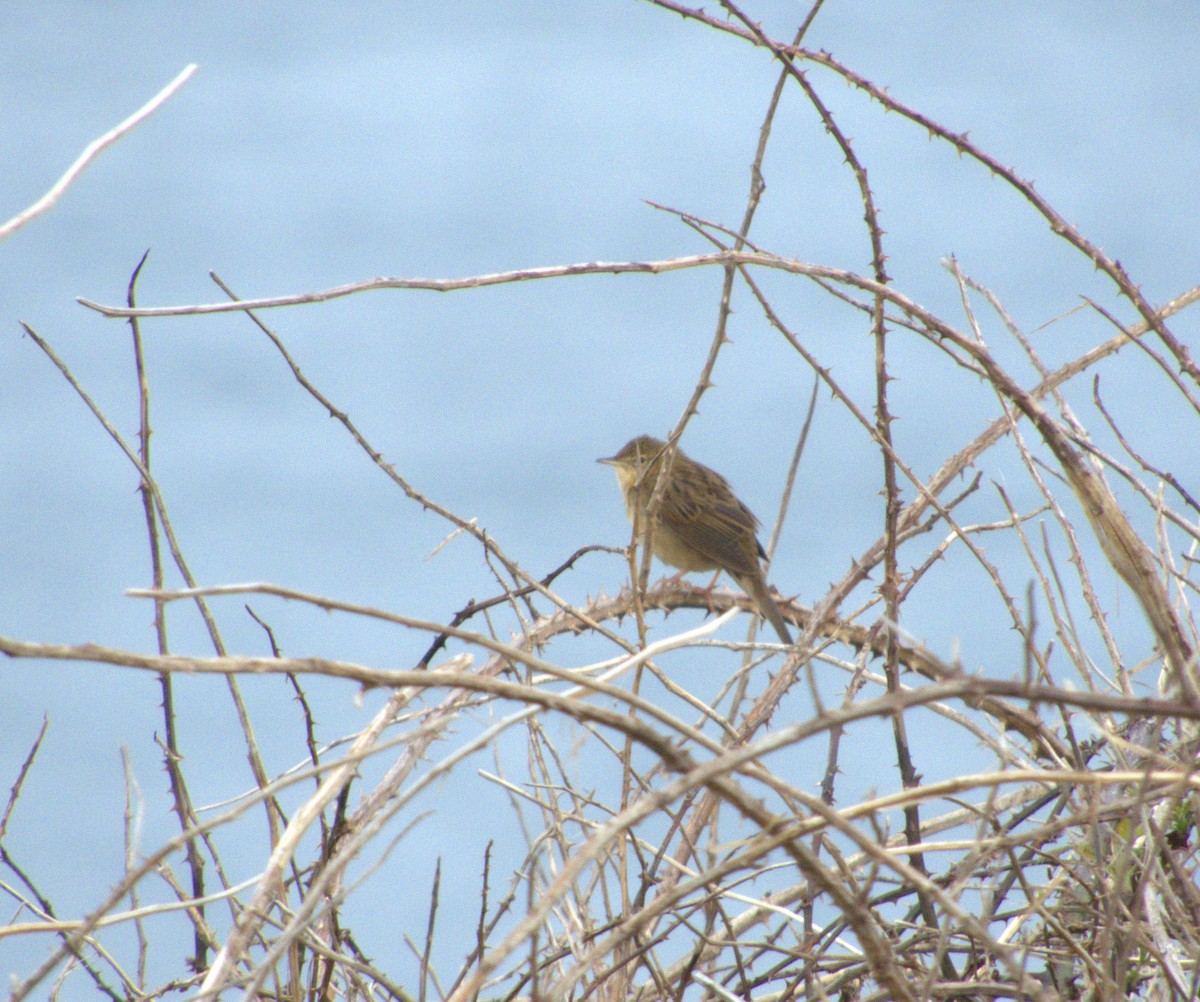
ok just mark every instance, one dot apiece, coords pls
pixel 756 588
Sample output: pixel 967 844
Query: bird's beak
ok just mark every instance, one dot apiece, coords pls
pixel 608 460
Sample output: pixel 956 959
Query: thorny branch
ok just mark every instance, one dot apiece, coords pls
pixel 1051 857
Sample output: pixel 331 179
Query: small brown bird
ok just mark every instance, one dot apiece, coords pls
pixel 700 525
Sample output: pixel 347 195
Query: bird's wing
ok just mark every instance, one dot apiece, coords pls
pixel 715 523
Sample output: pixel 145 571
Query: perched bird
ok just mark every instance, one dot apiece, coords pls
pixel 700 524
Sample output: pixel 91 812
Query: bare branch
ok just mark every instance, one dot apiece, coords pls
pixel 93 150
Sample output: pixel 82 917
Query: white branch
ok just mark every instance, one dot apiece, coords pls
pixel 93 150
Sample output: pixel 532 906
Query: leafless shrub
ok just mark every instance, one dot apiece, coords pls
pixel 663 852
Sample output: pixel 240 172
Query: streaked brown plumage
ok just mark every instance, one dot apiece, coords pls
pixel 700 525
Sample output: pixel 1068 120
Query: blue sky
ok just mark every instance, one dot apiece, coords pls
pixel 322 144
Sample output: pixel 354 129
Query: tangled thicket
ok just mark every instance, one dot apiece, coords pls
pixel 1064 867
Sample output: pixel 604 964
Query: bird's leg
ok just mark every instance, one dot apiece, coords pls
pixel 677 578
pixel 707 592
